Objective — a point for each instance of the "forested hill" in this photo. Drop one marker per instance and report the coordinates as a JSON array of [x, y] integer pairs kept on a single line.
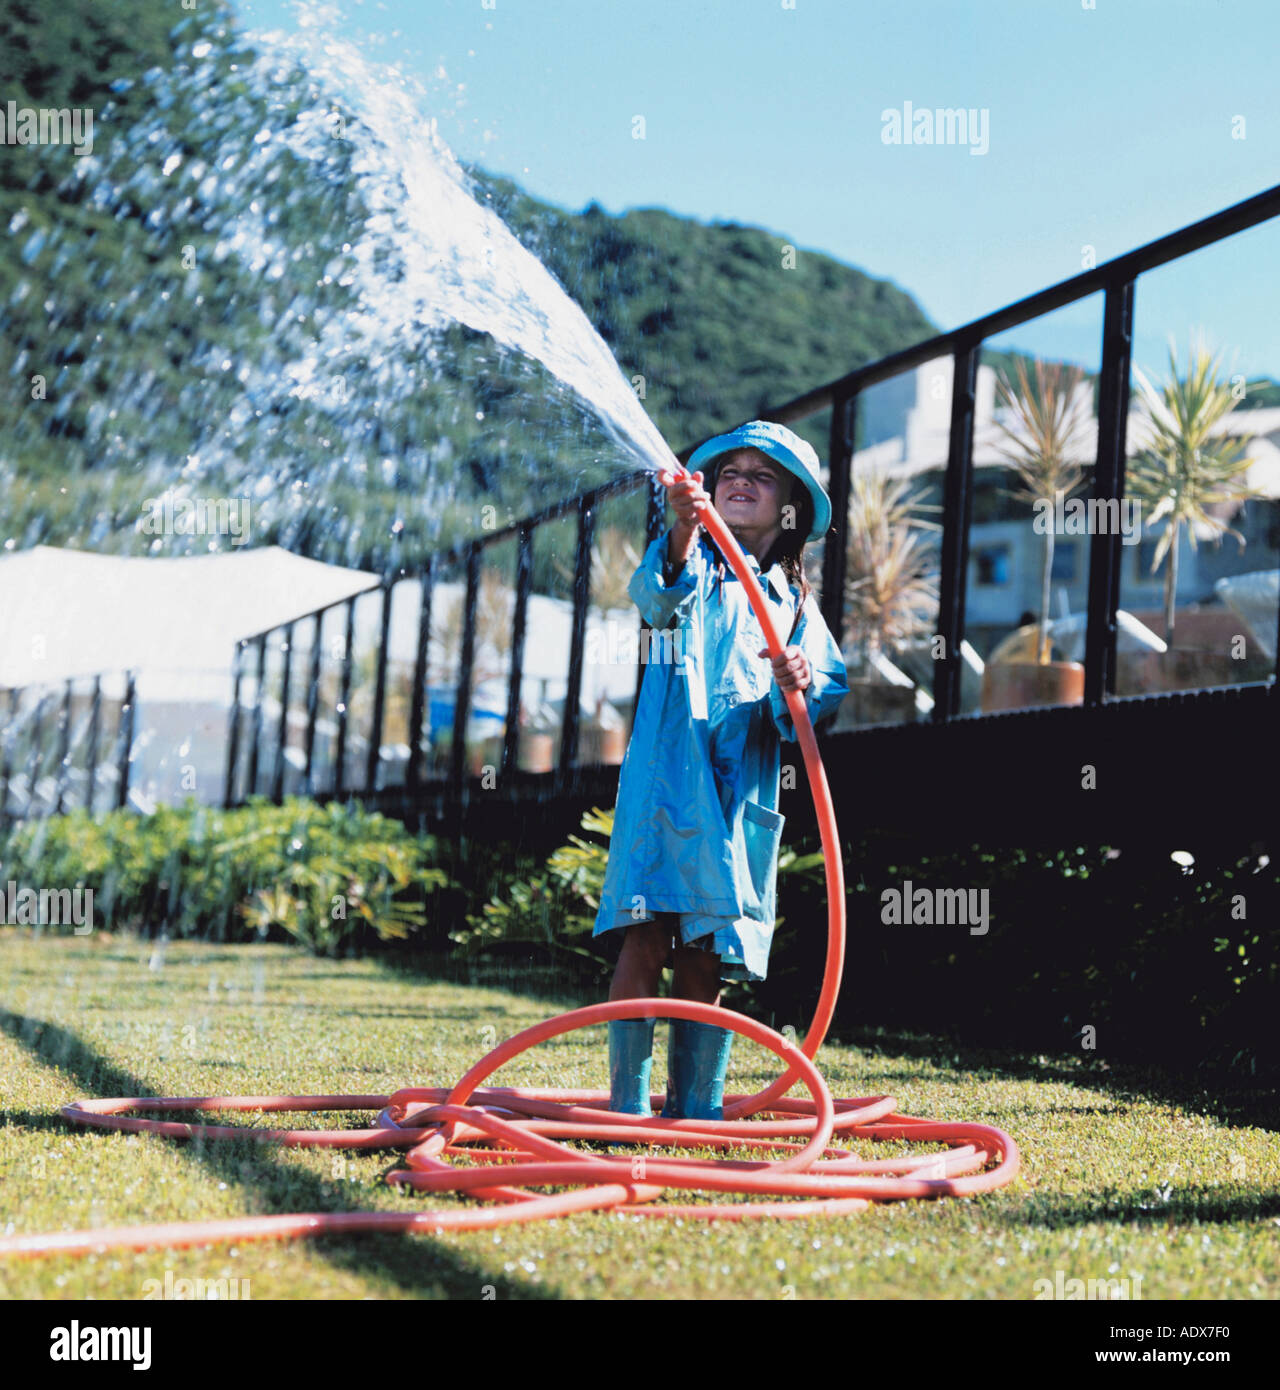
[[138, 353], [721, 320], [138, 393]]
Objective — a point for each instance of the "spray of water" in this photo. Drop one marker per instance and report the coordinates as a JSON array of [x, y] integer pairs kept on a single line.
[[298, 298], [293, 294], [429, 253]]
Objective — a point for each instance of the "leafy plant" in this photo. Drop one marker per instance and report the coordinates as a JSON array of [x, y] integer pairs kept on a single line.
[[327, 876], [1188, 466], [554, 909], [892, 584], [1044, 450]]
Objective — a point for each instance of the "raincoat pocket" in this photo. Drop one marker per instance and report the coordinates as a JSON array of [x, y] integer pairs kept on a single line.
[[762, 837]]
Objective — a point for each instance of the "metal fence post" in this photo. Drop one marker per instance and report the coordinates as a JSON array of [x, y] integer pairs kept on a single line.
[[1108, 481], [64, 748], [344, 699], [252, 778], [379, 692], [233, 727], [91, 753], [581, 597], [126, 740], [957, 512], [524, 582], [313, 701], [462, 694], [421, 676], [835, 555], [282, 732], [6, 756]]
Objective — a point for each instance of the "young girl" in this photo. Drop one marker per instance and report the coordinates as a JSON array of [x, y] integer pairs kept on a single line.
[[693, 858]]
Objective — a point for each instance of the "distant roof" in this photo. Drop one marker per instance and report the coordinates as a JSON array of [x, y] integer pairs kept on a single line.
[[929, 446], [67, 613]]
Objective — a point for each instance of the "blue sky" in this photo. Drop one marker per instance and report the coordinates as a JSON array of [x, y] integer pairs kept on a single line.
[[1106, 127]]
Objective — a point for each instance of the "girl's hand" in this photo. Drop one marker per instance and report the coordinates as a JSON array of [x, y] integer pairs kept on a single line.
[[686, 495], [791, 669]]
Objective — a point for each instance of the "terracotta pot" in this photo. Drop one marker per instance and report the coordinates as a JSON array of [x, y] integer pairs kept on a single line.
[[535, 753], [1027, 684], [615, 746], [600, 747]]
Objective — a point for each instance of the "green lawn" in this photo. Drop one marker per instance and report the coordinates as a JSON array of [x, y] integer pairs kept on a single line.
[[1124, 1173]]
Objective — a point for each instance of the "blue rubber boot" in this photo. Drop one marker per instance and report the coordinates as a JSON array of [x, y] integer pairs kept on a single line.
[[630, 1062], [697, 1059]]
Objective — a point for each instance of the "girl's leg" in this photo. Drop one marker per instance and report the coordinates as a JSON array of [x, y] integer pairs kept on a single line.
[[696, 975], [697, 1053], [646, 948]]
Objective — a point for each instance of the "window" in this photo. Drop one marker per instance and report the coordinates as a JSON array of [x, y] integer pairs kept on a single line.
[[993, 564], [1066, 562]]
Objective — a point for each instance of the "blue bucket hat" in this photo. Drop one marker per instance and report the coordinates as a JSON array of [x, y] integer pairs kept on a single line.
[[785, 448]]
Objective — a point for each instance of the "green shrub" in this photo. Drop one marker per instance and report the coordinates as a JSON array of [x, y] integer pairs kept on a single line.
[[553, 910], [330, 877], [1155, 958]]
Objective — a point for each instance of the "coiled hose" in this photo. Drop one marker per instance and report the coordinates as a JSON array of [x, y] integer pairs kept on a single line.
[[515, 1129]]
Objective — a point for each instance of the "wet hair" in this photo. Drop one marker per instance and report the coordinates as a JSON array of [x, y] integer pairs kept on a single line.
[[788, 549]]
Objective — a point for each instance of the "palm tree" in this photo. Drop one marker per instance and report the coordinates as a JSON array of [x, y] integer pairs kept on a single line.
[[614, 559], [891, 592], [1044, 450], [494, 616], [1186, 467]]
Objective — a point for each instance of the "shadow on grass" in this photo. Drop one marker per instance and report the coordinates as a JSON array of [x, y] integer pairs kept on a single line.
[[1184, 1206], [565, 987], [415, 1263], [35, 1119], [427, 1014], [1229, 1098]]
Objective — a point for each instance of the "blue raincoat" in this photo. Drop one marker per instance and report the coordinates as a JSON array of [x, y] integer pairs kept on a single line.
[[697, 830]]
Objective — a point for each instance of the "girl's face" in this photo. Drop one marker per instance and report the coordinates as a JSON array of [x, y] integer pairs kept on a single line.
[[751, 491]]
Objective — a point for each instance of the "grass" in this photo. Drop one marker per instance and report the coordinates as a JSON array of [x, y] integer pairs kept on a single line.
[[1124, 1173]]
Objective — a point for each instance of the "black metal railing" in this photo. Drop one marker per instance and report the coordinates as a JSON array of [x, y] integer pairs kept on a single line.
[[466, 558], [1115, 279], [39, 731]]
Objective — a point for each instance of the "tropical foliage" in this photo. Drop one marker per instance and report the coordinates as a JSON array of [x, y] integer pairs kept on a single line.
[[892, 570], [1186, 470], [331, 877], [1046, 447]]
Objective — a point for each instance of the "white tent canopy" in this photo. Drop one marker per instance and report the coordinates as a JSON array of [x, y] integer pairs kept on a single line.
[[66, 613]]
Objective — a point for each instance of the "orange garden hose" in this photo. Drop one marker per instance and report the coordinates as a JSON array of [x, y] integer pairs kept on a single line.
[[514, 1129]]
